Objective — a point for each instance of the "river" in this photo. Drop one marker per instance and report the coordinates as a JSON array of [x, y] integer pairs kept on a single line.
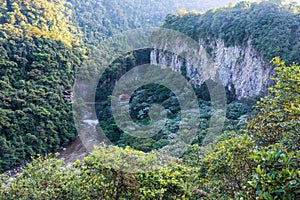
[[78, 149]]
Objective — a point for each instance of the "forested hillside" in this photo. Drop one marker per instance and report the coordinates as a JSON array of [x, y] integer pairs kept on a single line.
[[43, 44], [39, 58], [259, 162], [272, 29], [101, 19], [41, 51], [144, 97]]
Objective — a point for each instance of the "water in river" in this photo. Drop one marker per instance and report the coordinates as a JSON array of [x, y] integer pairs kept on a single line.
[[88, 137], [78, 149], [75, 150]]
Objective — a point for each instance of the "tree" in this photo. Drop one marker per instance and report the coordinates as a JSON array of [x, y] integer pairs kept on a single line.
[[279, 117], [105, 174], [225, 170], [277, 174], [182, 12]]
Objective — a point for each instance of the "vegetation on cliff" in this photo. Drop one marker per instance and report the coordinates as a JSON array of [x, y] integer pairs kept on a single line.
[[272, 29], [238, 166], [40, 53]]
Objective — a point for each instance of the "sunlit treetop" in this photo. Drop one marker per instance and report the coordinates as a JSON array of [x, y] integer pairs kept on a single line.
[[39, 18]]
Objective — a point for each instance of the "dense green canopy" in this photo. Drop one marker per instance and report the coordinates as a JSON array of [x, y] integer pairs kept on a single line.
[[40, 52], [37, 63], [272, 29]]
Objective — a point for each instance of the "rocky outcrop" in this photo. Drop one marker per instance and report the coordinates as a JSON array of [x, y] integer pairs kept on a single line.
[[240, 68]]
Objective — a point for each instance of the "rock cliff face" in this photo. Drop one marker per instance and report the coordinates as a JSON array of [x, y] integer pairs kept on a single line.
[[240, 68]]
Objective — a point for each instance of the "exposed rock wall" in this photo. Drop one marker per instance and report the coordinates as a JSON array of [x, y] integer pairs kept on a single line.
[[240, 67]]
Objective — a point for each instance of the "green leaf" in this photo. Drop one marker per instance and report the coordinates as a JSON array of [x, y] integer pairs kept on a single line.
[[267, 196]]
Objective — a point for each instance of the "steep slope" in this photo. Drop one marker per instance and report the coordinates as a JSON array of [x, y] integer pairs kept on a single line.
[[40, 54], [100, 19], [236, 44], [37, 63], [240, 68]]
